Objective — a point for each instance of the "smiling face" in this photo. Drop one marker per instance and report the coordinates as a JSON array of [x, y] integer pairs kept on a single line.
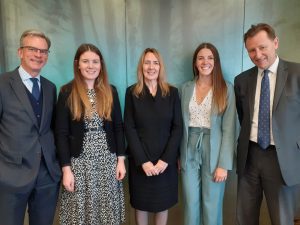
[[262, 50], [151, 67], [33, 61], [90, 67], [205, 62]]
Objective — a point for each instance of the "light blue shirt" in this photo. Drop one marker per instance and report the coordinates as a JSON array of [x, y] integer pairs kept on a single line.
[[25, 77]]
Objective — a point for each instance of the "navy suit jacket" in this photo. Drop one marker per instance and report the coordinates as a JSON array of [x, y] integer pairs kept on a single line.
[[22, 140], [285, 119]]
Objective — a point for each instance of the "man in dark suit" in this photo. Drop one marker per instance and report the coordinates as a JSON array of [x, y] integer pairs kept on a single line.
[[268, 152], [29, 170]]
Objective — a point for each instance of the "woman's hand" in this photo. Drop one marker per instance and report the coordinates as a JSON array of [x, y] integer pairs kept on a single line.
[[161, 166], [220, 175], [149, 169], [120, 170], [68, 178]]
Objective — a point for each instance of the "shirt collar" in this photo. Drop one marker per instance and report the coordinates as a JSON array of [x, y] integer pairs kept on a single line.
[[26, 76]]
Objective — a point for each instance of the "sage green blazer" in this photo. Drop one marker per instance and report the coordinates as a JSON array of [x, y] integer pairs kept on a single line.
[[223, 131]]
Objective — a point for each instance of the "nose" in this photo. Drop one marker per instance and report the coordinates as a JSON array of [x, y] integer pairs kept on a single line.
[[257, 54]]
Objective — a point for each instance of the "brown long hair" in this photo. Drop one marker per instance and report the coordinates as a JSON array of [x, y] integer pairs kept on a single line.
[[219, 86], [161, 80], [78, 100]]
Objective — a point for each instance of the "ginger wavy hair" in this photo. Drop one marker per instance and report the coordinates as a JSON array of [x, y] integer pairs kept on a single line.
[[78, 100]]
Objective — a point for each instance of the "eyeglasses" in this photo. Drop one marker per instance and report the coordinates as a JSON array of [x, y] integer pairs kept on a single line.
[[36, 50]]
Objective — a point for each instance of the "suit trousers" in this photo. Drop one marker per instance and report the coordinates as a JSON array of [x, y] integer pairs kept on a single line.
[[40, 198], [263, 176], [203, 198]]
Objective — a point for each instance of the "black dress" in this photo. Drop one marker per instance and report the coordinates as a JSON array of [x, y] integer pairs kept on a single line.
[[153, 128]]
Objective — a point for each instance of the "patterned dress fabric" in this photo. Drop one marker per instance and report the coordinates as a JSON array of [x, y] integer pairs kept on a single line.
[[200, 113], [98, 198]]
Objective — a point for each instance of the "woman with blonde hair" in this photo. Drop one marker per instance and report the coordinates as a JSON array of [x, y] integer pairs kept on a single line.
[[153, 128], [90, 143]]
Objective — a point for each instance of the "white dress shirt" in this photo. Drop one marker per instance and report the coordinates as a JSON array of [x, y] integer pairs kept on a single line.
[[25, 77], [272, 78]]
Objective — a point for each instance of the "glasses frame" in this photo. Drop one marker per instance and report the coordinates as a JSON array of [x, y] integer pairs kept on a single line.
[[32, 49]]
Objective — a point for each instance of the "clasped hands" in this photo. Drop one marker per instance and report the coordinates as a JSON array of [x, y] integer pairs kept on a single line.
[[152, 170]]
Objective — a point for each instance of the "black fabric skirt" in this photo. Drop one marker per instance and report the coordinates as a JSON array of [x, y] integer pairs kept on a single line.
[[155, 193]]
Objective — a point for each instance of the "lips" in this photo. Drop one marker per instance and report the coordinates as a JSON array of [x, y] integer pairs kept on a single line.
[[91, 72], [261, 62], [206, 67], [152, 73], [36, 60]]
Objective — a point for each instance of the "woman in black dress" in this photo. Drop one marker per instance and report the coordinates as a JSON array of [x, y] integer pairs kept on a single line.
[[153, 128]]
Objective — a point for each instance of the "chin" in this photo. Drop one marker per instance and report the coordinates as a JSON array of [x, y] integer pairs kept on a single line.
[[263, 67], [36, 67]]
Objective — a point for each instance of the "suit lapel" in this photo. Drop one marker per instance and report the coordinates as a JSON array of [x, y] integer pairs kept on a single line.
[[188, 92], [252, 80], [20, 91], [46, 96], [280, 83]]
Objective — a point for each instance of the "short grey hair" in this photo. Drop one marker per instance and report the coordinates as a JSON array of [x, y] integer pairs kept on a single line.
[[34, 33]]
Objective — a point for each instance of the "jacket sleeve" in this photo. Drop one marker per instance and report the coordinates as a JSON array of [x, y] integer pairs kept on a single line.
[[54, 108], [237, 99], [171, 151], [118, 129], [134, 144], [0, 106], [62, 127], [230, 129]]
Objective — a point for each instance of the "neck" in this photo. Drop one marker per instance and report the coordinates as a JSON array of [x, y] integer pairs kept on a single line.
[[204, 80], [32, 73], [90, 84], [151, 83]]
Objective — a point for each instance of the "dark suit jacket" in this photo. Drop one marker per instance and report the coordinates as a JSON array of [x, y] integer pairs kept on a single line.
[[69, 133], [21, 139], [153, 126], [285, 119]]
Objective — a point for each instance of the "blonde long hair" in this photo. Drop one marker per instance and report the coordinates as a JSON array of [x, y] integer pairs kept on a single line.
[[78, 100], [164, 86], [219, 86]]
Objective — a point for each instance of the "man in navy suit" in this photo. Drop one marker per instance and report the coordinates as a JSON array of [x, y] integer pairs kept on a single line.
[[268, 152], [29, 170]]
